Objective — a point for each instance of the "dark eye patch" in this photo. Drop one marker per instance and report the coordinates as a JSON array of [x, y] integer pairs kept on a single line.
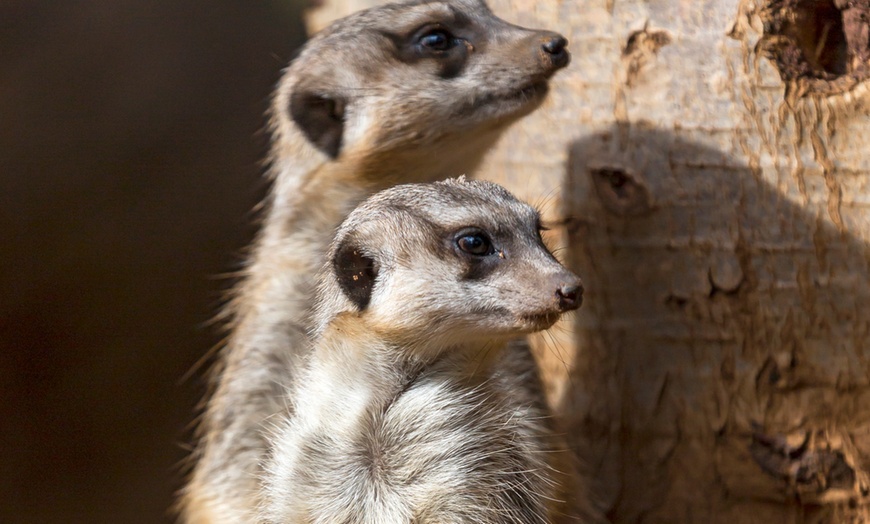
[[435, 40], [476, 247], [445, 42], [475, 243]]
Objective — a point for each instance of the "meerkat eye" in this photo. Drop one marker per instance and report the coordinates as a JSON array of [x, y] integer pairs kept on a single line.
[[436, 39], [475, 243]]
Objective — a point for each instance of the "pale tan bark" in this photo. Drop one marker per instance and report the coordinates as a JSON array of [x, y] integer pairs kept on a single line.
[[719, 370]]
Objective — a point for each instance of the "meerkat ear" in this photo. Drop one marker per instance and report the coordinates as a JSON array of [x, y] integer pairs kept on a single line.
[[321, 119], [355, 272]]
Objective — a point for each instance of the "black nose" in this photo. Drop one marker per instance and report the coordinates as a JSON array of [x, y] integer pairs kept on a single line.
[[555, 46], [570, 296]]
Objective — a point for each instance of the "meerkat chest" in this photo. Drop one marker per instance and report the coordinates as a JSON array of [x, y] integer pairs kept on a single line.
[[435, 451]]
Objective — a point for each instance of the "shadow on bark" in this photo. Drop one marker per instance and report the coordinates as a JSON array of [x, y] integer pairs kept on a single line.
[[721, 373]]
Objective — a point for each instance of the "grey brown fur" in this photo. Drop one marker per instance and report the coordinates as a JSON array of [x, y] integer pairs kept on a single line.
[[412, 407], [364, 106]]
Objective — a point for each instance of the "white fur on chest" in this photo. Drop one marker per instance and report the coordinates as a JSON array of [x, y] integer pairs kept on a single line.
[[380, 451]]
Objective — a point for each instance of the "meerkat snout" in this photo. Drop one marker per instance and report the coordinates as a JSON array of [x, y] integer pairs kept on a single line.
[[570, 295], [555, 49]]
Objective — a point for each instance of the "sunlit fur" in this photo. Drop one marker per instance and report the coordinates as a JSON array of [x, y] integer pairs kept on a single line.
[[416, 408], [402, 122]]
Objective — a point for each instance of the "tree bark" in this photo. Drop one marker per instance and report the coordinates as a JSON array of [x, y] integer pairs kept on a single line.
[[712, 190]]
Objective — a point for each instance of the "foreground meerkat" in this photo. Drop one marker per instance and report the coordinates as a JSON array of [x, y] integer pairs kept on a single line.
[[399, 93], [412, 407]]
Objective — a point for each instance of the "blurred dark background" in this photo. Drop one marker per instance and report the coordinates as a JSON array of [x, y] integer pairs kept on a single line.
[[130, 149]]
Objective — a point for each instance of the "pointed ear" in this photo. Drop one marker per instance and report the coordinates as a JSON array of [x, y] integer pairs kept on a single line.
[[355, 272], [321, 119]]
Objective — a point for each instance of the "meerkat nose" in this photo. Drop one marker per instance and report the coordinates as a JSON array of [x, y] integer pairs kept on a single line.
[[555, 45], [570, 296]]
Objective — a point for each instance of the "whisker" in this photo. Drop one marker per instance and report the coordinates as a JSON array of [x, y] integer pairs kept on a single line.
[[557, 350]]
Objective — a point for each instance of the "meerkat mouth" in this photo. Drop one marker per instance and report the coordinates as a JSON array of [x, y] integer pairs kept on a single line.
[[540, 321], [528, 94], [534, 91]]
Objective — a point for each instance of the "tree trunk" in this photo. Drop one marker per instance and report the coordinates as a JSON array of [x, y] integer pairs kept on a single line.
[[707, 165]]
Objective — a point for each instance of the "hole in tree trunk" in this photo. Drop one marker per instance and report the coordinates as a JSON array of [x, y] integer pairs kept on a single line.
[[819, 46], [621, 192]]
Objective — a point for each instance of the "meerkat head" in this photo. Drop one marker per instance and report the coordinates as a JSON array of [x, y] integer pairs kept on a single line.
[[425, 73], [447, 263]]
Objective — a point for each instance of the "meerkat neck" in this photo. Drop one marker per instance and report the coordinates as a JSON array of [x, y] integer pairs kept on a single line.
[[291, 247], [332, 185], [349, 374], [348, 343]]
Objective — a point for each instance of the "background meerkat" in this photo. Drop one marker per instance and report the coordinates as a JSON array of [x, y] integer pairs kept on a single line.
[[398, 93], [409, 409]]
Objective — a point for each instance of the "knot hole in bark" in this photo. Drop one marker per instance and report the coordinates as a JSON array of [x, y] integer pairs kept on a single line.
[[621, 192], [823, 46]]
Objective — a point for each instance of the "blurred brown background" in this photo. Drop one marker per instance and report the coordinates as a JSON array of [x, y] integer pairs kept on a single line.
[[130, 141]]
